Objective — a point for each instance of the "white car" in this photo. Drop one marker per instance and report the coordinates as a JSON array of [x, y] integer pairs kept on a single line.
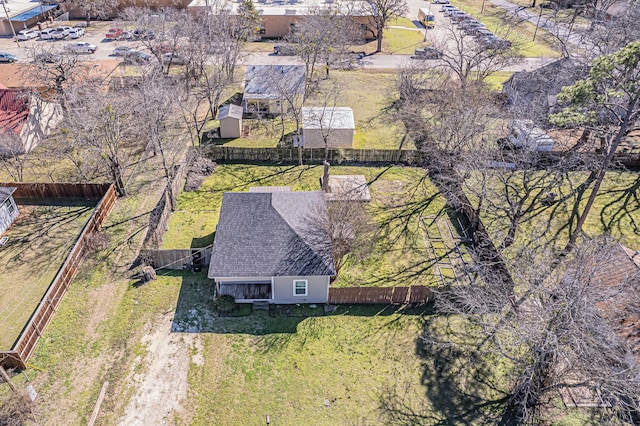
[[60, 33], [81, 47], [25, 35], [121, 51], [46, 34], [76, 33], [174, 59]]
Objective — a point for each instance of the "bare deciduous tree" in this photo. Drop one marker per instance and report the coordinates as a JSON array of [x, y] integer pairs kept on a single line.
[[102, 126], [12, 155], [608, 101], [100, 9], [469, 59], [382, 11], [323, 37], [555, 332]]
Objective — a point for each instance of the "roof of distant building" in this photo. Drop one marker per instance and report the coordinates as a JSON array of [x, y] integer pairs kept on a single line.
[[327, 118], [274, 81], [6, 192], [230, 111]]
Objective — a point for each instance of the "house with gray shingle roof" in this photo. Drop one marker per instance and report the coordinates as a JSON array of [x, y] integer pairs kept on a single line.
[[8, 208], [268, 247], [269, 88]]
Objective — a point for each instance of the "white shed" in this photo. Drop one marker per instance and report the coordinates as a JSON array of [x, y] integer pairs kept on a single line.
[[8, 208], [230, 117], [336, 126]]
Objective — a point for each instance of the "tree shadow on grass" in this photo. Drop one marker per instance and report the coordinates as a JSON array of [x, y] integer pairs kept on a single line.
[[460, 389]]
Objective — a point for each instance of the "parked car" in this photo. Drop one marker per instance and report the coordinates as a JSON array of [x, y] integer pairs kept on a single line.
[[440, 1], [472, 28], [284, 50], [60, 33], [165, 47], [126, 35], [495, 42], [428, 52], [7, 57], [142, 34], [448, 8], [76, 33], [135, 57], [81, 47], [483, 32], [121, 51], [174, 58], [82, 24], [25, 35], [114, 33], [459, 16], [46, 34]]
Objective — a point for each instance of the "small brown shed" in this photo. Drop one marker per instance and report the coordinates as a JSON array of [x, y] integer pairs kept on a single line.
[[230, 117]]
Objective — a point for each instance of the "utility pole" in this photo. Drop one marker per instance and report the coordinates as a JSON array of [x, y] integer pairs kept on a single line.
[[13, 30]]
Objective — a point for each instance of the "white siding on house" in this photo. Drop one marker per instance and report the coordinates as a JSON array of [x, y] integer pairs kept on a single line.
[[283, 288], [317, 290], [8, 213]]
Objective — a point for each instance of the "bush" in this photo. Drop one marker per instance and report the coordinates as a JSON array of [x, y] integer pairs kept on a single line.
[[200, 168], [224, 303]]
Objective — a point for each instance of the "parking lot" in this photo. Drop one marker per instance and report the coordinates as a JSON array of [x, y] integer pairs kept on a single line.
[[94, 34]]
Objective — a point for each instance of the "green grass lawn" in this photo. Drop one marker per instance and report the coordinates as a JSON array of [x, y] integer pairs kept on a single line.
[[520, 33], [286, 366], [374, 127], [614, 213], [398, 257], [40, 239], [495, 80]]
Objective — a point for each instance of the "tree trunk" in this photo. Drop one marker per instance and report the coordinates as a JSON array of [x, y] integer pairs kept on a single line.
[[118, 181], [380, 29], [601, 174]]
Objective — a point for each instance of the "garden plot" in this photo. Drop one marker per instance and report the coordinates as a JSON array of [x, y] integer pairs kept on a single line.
[[446, 247]]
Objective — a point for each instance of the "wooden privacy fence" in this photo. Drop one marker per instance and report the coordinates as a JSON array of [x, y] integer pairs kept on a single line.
[[59, 190], [227, 154], [380, 295], [23, 348], [311, 155], [159, 220], [176, 258]]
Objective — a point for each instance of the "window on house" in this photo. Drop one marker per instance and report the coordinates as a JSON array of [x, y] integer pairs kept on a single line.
[[300, 287], [9, 205]]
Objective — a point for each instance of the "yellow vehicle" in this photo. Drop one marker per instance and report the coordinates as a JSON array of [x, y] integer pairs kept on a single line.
[[426, 17]]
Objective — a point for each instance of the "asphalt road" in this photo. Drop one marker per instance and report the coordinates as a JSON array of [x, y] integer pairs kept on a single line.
[[24, 50]]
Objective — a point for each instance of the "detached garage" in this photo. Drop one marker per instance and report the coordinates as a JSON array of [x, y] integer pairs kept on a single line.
[[331, 126], [8, 208]]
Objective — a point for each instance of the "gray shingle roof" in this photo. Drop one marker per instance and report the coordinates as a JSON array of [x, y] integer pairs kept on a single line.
[[271, 234], [6, 192], [330, 118], [233, 111], [271, 81]]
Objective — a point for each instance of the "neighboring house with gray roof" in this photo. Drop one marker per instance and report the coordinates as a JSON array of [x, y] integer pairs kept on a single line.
[[8, 208], [266, 87], [269, 247], [533, 94]]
